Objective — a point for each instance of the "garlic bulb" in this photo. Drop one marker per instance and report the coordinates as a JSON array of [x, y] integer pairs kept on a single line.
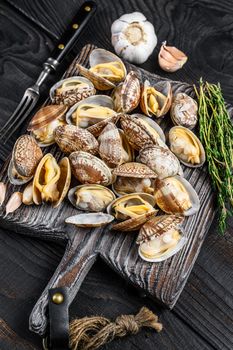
[[170, 58], [133, 37]]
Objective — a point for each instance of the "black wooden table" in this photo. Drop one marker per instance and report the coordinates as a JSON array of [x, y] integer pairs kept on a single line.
[[203, 317]]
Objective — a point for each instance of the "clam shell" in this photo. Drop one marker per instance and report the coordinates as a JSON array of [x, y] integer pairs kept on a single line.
[[97, 128], [183, 240], [163, 87], [196, 142], [168, 202], [126, 185], [45, 121], [63, 183], [157, 226], [140, 133], [38, 180], [73, 95], [134, 169], [133, 224], [26, 155], [99, 56], [90, 169], [113, 146], [90, 204], [90, 219], [161, 160], [100, 100], [126, 96], [184, 110], [71, 138]]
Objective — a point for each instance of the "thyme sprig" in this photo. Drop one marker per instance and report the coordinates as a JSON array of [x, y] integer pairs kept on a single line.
[[216, 134]]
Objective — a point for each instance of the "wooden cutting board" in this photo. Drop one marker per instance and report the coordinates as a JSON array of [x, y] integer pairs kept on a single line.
[[162, 281]]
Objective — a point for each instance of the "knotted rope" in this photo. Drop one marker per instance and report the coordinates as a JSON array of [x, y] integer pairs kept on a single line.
[[90, 333]]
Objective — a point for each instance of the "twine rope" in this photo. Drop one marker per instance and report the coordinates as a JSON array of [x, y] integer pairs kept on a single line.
[[90, 333]]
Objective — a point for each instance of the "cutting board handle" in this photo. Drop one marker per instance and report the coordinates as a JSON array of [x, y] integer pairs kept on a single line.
[[78, 259]]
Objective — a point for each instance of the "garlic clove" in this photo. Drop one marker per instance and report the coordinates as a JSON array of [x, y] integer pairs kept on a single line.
[[27, 198], [170, 58], [14, 202], [2, 192]]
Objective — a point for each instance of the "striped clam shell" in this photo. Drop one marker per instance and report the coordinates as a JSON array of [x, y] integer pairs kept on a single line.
[[134, 169], [71, 138], [126, 96], [90, 169], [157, 226], [46, 115]]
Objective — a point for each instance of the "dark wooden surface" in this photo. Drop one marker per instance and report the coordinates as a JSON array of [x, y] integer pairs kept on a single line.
[[202, 318]]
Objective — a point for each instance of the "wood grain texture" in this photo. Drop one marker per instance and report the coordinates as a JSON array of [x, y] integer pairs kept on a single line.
[[118, 250], [196, 322]]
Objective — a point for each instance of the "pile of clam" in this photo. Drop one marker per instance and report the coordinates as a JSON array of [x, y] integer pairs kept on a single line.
[[125, 172]]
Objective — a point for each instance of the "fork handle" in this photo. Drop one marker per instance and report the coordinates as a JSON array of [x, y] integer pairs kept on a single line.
[[68, 39]]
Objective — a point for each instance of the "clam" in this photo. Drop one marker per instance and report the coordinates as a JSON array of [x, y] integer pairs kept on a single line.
[[51, 181], [94, 198], [156, 100], [184, 111], [90, 169], [160, 238], [45, 121], [71, 90], [114, 148], [132, 210], [141, 132], [133, 177], [26, 155], [186, 146], [126, 96], [90, 220], [161, 160], [106, 69], [71, 138], [91, 111], [175, 195], [97, 128]]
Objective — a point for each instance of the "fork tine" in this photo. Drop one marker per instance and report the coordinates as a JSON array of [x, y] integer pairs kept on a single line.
[[27, 108]]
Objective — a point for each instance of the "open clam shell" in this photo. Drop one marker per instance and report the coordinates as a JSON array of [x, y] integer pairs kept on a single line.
[[90, 111], [114, 148], [175, 195], [90, 169], [26, 155], [133, 210], [167, 254], [71, 138], [71, 90], [133, 177], [45, 121], [126, 96], [161, 237], [161, 160], [64, 180], [94, 198], [106, 69], [97, 128], [140, 132], [156, 100], [45, 180], [90, 219], [186, 146]]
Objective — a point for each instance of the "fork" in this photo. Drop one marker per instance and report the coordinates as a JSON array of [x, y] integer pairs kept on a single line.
[[32, 94]]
